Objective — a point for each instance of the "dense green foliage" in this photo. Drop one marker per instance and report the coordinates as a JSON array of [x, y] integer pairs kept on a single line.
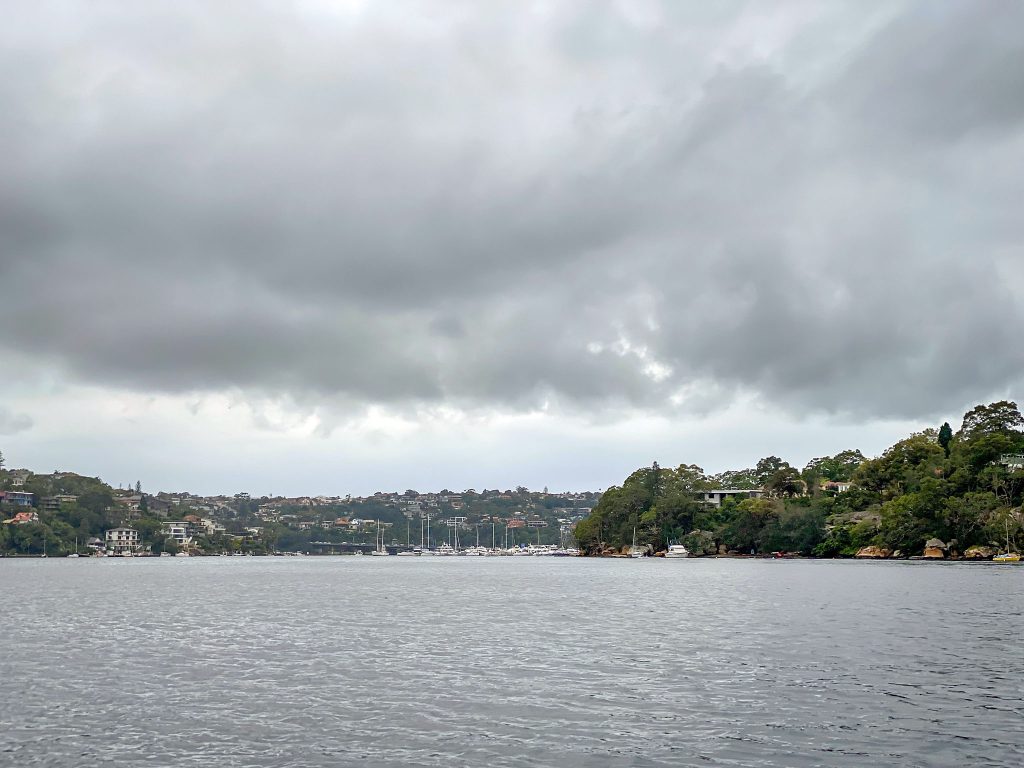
[[934, 484]]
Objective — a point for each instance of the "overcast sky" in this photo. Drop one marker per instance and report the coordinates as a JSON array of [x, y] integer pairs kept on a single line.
[[333, 247]]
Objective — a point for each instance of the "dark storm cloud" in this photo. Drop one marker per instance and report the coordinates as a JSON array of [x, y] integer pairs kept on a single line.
[[480, 205]]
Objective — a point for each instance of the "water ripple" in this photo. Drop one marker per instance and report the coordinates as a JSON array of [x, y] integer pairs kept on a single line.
[[509, 662]]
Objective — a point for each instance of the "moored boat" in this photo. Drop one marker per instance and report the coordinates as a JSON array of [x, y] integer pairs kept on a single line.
[[1007, 556]]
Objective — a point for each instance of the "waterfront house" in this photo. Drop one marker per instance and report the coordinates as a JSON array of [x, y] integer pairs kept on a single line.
[[179, 530], [122, 541]]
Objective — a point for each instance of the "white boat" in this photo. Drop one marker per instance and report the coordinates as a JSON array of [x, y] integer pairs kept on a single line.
[[635, 551], [182, 554], [408, 553], [677, 550], [446, 550]]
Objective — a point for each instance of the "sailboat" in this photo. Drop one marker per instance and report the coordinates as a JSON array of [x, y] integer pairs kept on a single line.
[[379, 551], [409, 551], [635, 551], [425, 545], [1007, 556]]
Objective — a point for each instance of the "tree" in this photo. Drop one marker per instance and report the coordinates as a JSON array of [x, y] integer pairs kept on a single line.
[[964, 516], [902, 467], [945, 436], [767, 467], [799, 528], [739, 479], [785, 481], [904, 523], [1003, 416], [838, 468], [744, 531]]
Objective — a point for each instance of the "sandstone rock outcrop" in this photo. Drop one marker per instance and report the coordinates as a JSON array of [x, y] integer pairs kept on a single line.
[[980, 553], [935, 549], [873, 553]]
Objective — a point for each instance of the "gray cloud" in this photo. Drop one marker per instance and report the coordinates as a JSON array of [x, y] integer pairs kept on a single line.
[[494, 208], [11, 422]]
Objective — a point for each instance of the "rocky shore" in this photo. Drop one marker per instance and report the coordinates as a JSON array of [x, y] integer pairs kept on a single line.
[[934, 549]]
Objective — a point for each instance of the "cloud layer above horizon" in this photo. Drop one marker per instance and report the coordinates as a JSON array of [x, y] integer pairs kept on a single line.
[[654, 208]]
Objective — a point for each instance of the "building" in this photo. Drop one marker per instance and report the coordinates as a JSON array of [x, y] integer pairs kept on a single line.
[[716, 497], [179, 530], [212, 527], [122, 541], [16, 498], [837, 486], [53, 503], [18, 477], [22, 518]]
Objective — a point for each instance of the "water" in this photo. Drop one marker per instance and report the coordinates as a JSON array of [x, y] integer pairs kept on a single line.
[[509, 662]]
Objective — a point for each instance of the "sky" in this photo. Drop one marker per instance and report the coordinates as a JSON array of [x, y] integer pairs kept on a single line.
[[340, 247]]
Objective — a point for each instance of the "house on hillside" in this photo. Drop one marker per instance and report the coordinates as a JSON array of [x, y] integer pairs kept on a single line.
[[16, 498], [23, 518], [716, 497], [837, 486], [53, 503], [19, 477]]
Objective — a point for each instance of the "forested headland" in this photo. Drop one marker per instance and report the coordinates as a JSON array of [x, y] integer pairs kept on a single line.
[[961, 489]]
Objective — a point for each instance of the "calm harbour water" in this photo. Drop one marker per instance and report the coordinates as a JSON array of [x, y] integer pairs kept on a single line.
[[510, 662]]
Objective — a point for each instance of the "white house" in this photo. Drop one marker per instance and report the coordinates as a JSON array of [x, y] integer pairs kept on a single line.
[[179, 530], [122, 541]]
